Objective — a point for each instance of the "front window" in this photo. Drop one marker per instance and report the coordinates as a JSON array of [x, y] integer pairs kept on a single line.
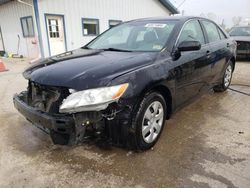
[[240, 31], [212, 31], [135, 36], [192, 32]]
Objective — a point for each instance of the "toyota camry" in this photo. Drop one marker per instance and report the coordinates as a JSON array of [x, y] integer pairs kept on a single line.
[[122, 86]]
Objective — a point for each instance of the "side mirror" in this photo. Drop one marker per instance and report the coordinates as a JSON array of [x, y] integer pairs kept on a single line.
[[189, 46]]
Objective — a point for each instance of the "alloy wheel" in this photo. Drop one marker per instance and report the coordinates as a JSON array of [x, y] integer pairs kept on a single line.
[[152, 122], [228, 76]]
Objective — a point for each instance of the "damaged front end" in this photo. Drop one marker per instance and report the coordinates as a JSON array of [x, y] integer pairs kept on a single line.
[[55, 111]]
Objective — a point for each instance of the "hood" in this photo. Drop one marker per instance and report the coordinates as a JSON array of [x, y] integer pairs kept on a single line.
[[241, 38], [83, 68]]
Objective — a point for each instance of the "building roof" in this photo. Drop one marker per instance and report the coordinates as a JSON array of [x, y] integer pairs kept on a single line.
[[165, 3], [169, 6]]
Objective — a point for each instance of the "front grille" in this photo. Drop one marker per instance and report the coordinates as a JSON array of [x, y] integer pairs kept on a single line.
[[46, 98], [242, 45]]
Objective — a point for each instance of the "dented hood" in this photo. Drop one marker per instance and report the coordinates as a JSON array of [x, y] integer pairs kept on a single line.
[[83, 69]]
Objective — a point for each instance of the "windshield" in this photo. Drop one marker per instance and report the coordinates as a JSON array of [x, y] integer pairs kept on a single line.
[[135, 36], [240, 31]]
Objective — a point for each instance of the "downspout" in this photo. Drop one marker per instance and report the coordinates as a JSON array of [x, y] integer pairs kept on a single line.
[[20, 1], [1, 36], [35, 6]]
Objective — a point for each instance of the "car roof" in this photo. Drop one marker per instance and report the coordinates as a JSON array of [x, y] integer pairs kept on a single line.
[[177, 18]]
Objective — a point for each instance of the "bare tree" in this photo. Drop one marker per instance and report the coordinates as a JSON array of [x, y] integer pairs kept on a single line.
[[236, 20], [215, 18], [223, 24], [212, 16], [203, 15], [247, 21]]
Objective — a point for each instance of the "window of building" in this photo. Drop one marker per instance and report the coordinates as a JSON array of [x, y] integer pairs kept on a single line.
[[113, 23], [192, 32], [90, 26], [212, 31], [53, 28], [27, 26]]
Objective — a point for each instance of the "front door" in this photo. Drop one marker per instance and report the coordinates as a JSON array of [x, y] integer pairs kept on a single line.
[[56, 34], [1, 41], [192, 68]]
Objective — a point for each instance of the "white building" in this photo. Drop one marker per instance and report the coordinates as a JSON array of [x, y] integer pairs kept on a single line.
[[35, 28]]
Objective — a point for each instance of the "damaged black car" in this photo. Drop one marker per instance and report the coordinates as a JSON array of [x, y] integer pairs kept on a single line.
[[241, 34], [125, 83]]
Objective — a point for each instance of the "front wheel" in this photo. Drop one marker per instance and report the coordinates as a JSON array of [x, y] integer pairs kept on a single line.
[[226, 80], [149, 120]]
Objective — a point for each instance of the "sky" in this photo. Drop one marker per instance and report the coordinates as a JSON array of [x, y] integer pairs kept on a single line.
[[223, 9]]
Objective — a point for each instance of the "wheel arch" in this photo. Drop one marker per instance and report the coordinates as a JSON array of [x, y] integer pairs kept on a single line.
[[165, 92], [233, 60]]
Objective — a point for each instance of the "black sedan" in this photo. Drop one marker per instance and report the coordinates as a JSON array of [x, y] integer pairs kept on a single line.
[[241, 35], [123, 85]]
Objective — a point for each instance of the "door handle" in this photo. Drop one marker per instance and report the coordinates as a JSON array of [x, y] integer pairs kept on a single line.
[[208, 54]]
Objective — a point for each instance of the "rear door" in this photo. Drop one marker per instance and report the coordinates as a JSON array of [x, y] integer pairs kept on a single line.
[[219, 50], [192, 67]]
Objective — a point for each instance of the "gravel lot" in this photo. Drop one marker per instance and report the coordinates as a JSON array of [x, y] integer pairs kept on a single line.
[[206, 144]]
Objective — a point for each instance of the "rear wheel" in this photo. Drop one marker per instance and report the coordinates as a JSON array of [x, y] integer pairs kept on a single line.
[[227, 78], [149, 120]]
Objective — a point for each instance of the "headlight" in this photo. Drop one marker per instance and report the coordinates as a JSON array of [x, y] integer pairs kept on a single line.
[[92, 99]]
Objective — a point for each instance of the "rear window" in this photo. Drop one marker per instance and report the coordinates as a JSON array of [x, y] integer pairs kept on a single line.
[[222, 35], [212, 31]]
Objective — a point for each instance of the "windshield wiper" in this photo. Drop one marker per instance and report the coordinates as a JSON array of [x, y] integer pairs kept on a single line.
[[86, 47], [116, 49]]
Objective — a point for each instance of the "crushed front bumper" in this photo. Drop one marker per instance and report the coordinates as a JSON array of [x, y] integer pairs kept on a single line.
[[60, 127], [243, 53], [243, 49], [112, 124]]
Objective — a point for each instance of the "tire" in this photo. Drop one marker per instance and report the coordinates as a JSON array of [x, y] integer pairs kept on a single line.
[[227, 78], [148, 121]]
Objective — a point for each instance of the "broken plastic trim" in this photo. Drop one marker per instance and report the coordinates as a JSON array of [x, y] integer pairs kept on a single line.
[[93, 99], [87, 108]]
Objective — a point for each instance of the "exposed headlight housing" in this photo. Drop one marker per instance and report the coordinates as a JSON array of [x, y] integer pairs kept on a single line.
[[92, 99]]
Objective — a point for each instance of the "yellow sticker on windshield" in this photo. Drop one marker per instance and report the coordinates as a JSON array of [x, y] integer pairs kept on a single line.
[[155, 25]]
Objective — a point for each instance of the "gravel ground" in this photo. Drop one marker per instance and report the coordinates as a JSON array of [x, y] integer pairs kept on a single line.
[[206, 144]]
